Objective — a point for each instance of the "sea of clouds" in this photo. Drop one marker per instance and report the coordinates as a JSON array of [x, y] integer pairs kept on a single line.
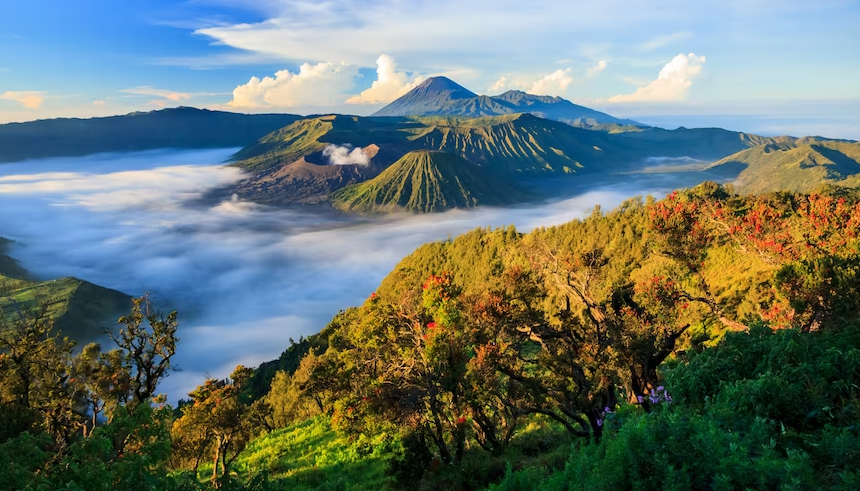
[[245, 278]]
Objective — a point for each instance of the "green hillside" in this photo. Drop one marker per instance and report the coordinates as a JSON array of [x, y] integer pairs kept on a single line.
[[290, 165], [700, 143], [9, 266], [510, 143], [427, 181], [799, 166], [704, 341], [309, 136], [182, 127], [311, 455], [80, 310], [522, 143]]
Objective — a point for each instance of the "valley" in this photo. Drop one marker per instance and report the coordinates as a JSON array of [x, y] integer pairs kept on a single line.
[[246, 277]]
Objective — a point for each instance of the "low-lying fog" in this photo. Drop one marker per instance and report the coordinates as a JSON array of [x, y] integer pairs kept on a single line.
[[245, 278]]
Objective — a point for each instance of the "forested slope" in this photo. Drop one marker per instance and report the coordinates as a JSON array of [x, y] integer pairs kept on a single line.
[[703, 341]]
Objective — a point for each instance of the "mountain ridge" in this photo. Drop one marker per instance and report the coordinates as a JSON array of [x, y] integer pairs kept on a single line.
[[180, 127], [801, 165], [288, 165], [438, 96], [424, 181]]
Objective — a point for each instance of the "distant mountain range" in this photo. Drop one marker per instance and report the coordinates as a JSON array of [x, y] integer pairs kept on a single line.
[[509, 138], [181, 127], [441, 96], [801, 165], [289, 165]]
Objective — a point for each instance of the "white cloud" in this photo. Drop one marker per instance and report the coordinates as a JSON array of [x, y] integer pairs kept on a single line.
[[389, 84], [345, 155], [323, 84], [596, 69], [30, 99], [556, 83], [671, 85], [101, 102], [499, 85], [170, 95], [509, 32]]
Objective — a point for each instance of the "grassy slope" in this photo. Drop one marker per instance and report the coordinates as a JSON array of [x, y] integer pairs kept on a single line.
[[310, 455], [8, 266], [800, 167], [80, 309], [311, 135], [427, 181], [522, 143], [511, 143]]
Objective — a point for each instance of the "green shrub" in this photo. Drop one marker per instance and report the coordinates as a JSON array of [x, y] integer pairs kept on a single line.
[[763, 410]]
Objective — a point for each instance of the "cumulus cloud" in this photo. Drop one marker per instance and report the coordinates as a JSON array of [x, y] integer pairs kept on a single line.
[[389, 84], [499, 85], [510, 32], [556, 83], [671, 85], [30, 99], [323, 84], [345, 155], [596, 69]]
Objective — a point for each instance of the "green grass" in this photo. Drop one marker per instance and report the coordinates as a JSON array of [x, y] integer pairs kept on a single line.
[[425, 181], [504, 144], [9, 266], [80, 310], [801, 166], [310, 455]]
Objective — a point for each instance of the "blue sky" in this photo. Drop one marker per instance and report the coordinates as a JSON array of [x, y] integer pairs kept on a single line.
[[646, 58]]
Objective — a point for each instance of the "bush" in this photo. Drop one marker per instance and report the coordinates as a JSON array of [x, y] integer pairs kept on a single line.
[[763, 410]]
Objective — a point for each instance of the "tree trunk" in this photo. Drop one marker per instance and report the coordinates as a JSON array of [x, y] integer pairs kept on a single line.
[[95, 420], [216, 460], [225, 464]]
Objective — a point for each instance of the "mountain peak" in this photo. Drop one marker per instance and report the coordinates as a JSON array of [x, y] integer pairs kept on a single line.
[[428, 96], [443, 85], [441, 96]]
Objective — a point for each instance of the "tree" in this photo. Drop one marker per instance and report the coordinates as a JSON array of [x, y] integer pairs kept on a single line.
[[37, 386], [148, 340], [217, 420], [104, 379], [809, 243], [40, 375]]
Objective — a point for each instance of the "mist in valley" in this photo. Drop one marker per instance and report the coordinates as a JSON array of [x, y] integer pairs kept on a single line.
[[245, 278]]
